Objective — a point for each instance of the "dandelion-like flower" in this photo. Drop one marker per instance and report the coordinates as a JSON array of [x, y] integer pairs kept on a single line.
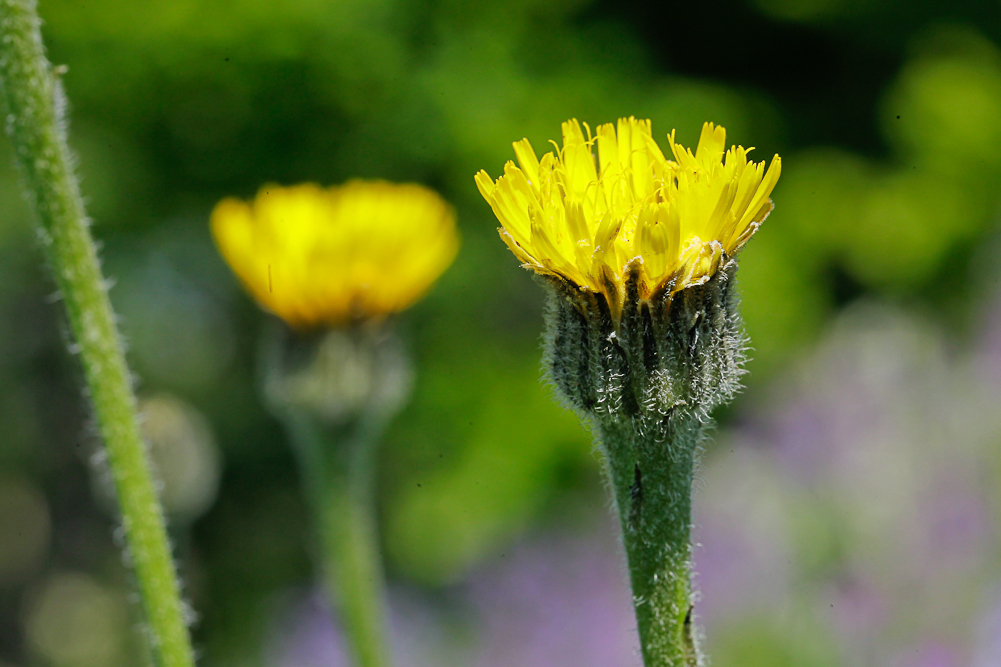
[[327, 256], [643, 335], [672, 222], [333, 263]]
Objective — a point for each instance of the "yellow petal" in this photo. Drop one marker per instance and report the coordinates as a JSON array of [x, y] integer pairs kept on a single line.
[[528, 160]]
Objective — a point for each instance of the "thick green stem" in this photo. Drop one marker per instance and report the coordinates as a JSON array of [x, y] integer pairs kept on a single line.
[[33, 106], [651, 468], [338, 466]]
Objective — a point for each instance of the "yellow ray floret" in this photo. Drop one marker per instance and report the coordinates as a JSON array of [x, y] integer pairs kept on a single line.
[[592, 222], [327, 256]]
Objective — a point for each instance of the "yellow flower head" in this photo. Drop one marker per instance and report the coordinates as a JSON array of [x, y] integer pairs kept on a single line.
[[635, 212], [316, 256]]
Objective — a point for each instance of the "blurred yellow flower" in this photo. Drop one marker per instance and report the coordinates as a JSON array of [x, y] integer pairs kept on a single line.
[[327, 256], [673, 221]]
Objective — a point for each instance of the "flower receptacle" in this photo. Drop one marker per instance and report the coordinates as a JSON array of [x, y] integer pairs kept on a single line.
[[671, 353], [335, 376]]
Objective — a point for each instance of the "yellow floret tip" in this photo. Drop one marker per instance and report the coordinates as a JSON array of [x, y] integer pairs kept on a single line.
[[591, 223], [329, 256]]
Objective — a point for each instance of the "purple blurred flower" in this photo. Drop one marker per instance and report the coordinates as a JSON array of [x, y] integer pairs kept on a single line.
[[558, 601], [305, 635], [928, 654]]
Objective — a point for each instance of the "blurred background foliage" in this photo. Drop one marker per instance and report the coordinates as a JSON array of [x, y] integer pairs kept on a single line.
[[888, 116]]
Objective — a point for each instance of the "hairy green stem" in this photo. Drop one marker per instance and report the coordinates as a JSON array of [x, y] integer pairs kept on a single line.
[[651, 468], [338, 464], [647, 381], [33, 106]]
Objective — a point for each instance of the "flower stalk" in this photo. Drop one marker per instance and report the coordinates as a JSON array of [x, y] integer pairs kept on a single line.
[[336, 393], [338, 469], [647, 384], [651, 477], [34, 108]]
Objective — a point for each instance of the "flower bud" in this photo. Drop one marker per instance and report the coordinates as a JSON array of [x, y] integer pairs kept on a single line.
[[336, 376]]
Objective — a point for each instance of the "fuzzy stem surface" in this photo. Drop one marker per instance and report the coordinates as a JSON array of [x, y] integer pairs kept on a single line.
[[33, 106], [651, 468], [338, 466]]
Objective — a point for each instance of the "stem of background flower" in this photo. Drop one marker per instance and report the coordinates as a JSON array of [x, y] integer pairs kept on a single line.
[[338, 467], [652, 480], [34, 107]]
